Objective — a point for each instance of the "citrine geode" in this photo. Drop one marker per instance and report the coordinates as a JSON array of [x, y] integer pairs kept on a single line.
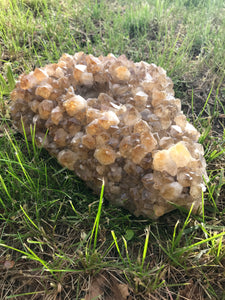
[[111, 118]]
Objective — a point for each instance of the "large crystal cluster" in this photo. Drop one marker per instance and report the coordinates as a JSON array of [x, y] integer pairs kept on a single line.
[[110, 118]]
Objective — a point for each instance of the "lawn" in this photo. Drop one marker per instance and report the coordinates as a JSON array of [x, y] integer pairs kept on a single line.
[[57, 239]]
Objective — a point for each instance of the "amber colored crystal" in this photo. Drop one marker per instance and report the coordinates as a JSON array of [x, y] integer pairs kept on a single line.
[[93, 64], [67, 158], [105, 155], [56, 115], [45, 108], [140, 100], [148, 141], [34, 105], [122, 73], [180, 154], [89, 141], [137, 153], [27, 81], [40, 75], [60, 137], [110, 118], [44, 90], [74, 105], [162, 162], [171, 191]]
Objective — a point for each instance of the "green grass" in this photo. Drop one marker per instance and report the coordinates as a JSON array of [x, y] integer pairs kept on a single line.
[[55, 235]]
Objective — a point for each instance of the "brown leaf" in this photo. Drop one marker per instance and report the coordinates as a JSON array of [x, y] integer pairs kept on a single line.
[[123, 288], [8, 264], [107, 287], [95, 289]]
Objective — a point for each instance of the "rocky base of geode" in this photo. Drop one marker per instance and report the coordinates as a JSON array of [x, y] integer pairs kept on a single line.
[[110, 118]]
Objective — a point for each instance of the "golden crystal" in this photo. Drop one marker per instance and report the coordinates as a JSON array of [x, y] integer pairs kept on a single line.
[[110, 118]]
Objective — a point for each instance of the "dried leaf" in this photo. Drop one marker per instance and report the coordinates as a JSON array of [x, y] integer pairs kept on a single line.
[[123, 288], [107, 286], [8, 264], [95, 289]]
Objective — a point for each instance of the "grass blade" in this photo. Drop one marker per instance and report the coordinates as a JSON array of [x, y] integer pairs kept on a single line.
[[97, 219], [145, 247]]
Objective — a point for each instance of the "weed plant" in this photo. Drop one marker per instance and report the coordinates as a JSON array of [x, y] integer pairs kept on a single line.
[[55, 235]]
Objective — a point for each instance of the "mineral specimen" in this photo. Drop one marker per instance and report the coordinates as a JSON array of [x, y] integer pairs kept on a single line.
[[111, 118]]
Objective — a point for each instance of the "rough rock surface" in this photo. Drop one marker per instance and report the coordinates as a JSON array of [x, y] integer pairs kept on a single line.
[[111, 118]]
